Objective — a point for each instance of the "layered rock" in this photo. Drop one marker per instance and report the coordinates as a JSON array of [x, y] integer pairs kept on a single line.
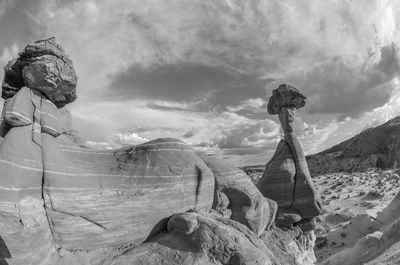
[[62, 203], [376, 147], [237, 198], [286, 178], [116, 198]]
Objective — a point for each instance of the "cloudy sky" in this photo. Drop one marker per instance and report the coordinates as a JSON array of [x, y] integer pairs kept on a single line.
[[203, 70]]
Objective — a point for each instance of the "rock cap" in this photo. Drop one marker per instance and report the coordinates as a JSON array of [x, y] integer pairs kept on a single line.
[[43, 66], [285, 96]]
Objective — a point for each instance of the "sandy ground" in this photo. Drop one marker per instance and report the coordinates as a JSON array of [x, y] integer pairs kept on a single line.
[[344, 196]]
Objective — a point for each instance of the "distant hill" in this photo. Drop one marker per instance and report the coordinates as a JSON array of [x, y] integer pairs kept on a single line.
[[377, 147]]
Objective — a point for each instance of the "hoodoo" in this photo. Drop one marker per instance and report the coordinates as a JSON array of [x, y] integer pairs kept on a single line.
[[286, 178]]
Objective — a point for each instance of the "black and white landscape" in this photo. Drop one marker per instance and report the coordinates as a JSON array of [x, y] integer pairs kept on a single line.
[[202, 132]]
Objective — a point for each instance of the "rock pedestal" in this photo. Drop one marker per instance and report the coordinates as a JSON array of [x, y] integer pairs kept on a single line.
[[286, 178]]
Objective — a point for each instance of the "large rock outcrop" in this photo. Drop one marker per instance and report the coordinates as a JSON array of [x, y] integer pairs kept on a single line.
[[286, 178], [62, 203], [236, 197], [376, 147]]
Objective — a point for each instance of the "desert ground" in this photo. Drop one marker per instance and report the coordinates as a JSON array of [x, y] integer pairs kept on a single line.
[[347, 198]]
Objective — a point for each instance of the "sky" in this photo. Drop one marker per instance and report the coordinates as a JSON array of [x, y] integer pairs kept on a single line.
[[202, 70]]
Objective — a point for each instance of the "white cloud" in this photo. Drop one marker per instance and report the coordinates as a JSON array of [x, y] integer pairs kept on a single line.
[[4, 5], [254, 105], [6, 55], [264, 38], [125, 139]]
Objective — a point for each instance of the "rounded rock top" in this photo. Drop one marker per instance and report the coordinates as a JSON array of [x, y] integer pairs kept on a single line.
[[43, 66], [285, 96]]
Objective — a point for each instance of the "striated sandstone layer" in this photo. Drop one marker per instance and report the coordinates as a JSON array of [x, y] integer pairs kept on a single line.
[[116, 198], [63, 203], [237, 198]]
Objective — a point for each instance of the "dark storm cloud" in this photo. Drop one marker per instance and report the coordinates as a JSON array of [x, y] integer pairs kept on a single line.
[[339, 87], [212, 86], [17, 23], [189, 134]]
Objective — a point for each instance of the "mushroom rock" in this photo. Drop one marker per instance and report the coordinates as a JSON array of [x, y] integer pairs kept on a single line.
[[237, 198], [286, 178]]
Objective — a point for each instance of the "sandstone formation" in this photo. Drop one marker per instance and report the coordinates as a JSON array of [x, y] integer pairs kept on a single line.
[[376, 147], [196, 237], [286, 178], [236, 197], [155, 203]]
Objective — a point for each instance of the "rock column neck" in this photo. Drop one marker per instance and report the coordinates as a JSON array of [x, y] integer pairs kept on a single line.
[[287, 117]]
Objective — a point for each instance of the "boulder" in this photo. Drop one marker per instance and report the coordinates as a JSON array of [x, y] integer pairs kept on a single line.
[[200, 238], [237, 198], [285, 96], [43, 66]]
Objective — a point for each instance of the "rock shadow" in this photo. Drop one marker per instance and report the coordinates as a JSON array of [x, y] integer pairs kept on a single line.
[[4, 252]]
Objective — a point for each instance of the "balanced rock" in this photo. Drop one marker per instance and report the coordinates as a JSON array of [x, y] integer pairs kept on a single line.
[[45, 67], [286, 178]]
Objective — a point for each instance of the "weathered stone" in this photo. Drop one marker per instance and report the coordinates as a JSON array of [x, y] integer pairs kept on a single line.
[[243, 200], [61, 203], [13, 80], [43, 66], [111, 199], [201, 239], [285, 96], [286, 178], [53, 77]]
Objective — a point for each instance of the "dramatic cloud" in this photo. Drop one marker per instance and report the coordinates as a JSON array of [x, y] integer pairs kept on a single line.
[[202, 70], [350, 88], [126, 139]]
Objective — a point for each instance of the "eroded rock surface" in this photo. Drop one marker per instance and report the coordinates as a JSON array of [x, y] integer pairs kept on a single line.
[[237, 198], [286, 178], [63, 203], [43, 66]]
